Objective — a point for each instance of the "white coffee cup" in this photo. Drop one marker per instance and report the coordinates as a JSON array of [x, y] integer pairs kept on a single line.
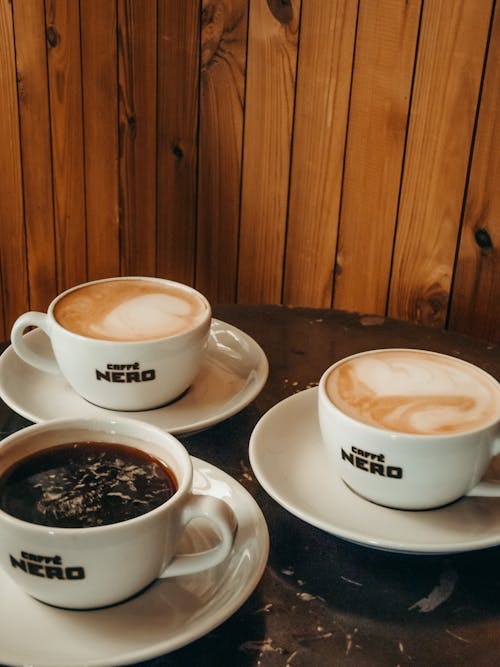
[[90, 567], [128, 343], [410, 429]]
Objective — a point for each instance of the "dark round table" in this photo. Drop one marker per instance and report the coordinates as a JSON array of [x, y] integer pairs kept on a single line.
[[324, 600]]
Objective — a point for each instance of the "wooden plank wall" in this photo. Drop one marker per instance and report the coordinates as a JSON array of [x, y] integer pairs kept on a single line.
[[336, 153]]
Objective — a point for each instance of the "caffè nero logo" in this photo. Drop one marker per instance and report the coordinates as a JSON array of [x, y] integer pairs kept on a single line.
[[125, 373], [47, 567], [371, 463]]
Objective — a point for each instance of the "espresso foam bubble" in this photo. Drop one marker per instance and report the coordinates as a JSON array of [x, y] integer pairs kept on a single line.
[[129, 310], [414, 392]]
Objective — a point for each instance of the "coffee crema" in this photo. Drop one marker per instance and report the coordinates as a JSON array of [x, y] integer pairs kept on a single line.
[[85, 484], [412, 391], [130, 309]]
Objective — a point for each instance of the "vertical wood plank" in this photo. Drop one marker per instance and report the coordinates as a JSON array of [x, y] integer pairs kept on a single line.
[[271, 73], [31, 60], [475, 306], [82, 164], [222, 87], [450, 60], [65, 83], [13, 270], [137, 135], [381, 88], [323, 85], [100, 113], [178, 75]]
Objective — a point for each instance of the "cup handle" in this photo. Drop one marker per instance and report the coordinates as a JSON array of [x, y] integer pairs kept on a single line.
[[222, 516], [492, 488], [22, 348]]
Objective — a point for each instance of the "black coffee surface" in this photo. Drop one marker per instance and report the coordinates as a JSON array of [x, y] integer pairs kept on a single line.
[[84, 484]]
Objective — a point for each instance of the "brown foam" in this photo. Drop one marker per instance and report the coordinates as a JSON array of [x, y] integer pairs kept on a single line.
[[472, 405], [81, 309]]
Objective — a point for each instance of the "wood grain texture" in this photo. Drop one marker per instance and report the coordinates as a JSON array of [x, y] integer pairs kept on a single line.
[[308, 152], [222, 87], [100, 109], [450, 61], [271, 71], [65, 85], [321, 107], [475, 307], [381, 89], [137, 32], [178, 74], [13, 267], [33, 95]]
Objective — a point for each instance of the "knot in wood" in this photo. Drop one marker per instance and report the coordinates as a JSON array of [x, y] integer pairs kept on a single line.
[[212, 26], [52, 36], [483, 239], [282, 10], [177, 151], [432, 305]]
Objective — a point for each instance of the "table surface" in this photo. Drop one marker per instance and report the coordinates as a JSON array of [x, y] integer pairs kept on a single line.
[[323, 600]]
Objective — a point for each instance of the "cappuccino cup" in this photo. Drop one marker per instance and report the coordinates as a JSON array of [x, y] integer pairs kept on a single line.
[[92, 511], [410, 429], [128, 343]]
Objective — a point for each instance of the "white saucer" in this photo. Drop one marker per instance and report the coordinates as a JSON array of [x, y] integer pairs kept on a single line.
[[167, 616], [288, 459], [233, 373]]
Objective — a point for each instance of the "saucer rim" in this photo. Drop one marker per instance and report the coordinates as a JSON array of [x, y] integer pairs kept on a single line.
[[247, 394], [225, 609], [354, 536]]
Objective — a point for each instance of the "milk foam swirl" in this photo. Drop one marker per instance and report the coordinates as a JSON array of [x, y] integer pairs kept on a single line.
[[129, 310], [414, 391]]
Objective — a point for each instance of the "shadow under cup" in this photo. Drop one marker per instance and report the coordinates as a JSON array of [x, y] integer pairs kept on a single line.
[[101, 564], [410, 429]]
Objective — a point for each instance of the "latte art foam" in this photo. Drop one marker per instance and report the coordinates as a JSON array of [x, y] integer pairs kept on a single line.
[[411, 391], [129, 310]]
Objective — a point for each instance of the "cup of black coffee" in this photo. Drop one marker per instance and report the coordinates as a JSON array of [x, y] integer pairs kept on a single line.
[[92, 510], [125, 343]]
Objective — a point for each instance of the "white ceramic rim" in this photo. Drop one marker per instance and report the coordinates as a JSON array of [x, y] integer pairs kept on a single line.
[[323, 396], [132, 343]]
